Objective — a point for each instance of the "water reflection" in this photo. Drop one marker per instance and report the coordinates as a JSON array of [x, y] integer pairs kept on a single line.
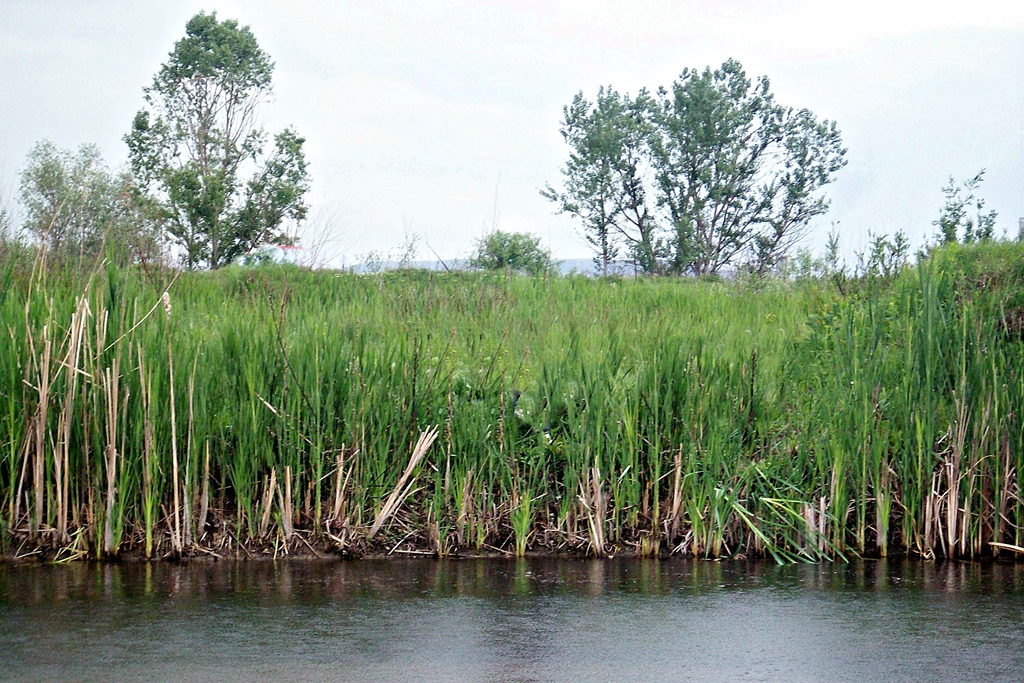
[[312, 582], [513, 620]]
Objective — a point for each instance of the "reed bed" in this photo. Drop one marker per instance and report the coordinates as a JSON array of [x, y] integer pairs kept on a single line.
[[278, 410]]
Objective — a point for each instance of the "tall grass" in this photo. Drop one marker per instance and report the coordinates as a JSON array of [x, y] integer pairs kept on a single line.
[[281, 409]]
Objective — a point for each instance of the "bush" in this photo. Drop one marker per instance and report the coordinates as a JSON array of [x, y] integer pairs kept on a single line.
[[516, 251]]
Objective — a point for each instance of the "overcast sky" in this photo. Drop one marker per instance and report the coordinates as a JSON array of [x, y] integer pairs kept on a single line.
[[426, 117]]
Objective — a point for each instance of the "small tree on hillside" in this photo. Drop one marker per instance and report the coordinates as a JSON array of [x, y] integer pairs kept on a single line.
[[516, 251], [75, 207], [191, 145], [66, 197], [956, 220]]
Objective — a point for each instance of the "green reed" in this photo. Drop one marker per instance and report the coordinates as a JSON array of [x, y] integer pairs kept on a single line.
[[281, 408]]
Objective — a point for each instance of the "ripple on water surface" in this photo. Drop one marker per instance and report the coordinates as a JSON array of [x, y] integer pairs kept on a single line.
[[482, 620]]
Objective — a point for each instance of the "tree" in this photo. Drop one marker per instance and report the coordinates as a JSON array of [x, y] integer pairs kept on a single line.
[[75, 207], [65, 196], [634, 220], [604, 177], [191, 145], [516, 251], [955, 217], [735, 175], [811, 154], [886, 257], [738, 174]]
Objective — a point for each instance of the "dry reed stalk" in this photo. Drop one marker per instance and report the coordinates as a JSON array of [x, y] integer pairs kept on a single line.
[[339, 485], [60, 460], [337, 498], [146, 384], [204, 499], [811, 523], [1007, 546], [284, 501], [1008, 476], [594, 507], [111, 378], [39, 462], [164, 301], [932, 518], [953, 475], [978, 477], [405, 482], [99, 378], [822, 506], [465, 506], [186, 496], [176, 525], [268, 499], [677, 496], [26, 453]]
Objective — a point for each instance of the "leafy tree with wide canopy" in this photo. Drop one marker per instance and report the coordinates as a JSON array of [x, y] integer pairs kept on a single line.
[[736, 177], [196, 139]]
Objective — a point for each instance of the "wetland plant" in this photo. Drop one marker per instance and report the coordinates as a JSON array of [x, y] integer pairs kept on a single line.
[[279, 409]]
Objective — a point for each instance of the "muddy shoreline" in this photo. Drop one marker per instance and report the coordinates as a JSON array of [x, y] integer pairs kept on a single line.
[[305, 545]]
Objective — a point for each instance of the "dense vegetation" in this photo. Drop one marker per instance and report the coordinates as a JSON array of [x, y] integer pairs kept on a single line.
[[278, 407], [708, 175]]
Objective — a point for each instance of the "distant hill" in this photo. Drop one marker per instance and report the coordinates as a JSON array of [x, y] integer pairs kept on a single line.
[[565, 266]]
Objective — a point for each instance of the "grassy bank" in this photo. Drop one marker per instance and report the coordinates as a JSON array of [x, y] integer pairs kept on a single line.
[[283, 409]]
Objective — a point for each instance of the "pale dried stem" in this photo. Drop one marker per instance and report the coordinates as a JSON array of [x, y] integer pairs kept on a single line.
[[594, 506], [111, 379], [176, 524], [268, 499], [146, 384], [405, 482], [286, 503], [341, 485], [60, 461], [186, 495], [953, 476], [39, 462], [204, 500], [677, 495]]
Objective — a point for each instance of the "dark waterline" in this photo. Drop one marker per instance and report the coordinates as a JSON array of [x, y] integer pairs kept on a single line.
[[497, 620]]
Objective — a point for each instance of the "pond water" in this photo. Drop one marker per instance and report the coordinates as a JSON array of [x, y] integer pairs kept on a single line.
[[502, 620]]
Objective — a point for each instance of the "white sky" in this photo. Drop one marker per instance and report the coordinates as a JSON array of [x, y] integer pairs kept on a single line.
[[417, 114]]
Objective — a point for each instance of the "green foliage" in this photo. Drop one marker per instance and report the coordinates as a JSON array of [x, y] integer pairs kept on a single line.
[[603, 178], [76, 208], [192, 144], [788, 421], [515, 251], [6, 231], [886, 256], [739, 174], [737, 177], [955, 221]]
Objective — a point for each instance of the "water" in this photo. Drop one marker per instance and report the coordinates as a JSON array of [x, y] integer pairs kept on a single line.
[[497, 620]]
